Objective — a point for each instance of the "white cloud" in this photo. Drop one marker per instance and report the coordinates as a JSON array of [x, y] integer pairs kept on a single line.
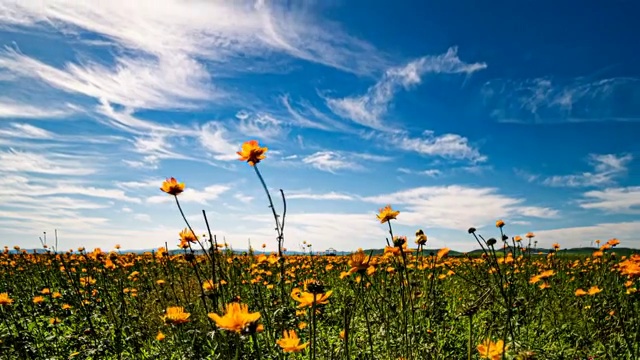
[[243, 198], [11, 109], [613, 200], [626, 232], [450, 146], [31, 188], [311, 196], [142, 217], [329, 161], [544, 100], [50, 163], [263, 126], [428, 172], [332, 161], [368, 109], [26, 131], [211, 192], [214, 137], [457, 207], [606, 168]]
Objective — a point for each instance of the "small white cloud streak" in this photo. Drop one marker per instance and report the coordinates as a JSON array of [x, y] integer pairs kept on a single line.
[[606, 168], [190, 195], [624, 200], [15, 110], [368, 110]]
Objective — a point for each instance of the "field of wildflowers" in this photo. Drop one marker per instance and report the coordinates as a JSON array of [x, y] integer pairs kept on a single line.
[[207, 302]]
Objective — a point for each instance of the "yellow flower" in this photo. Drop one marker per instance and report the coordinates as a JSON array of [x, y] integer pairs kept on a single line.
[[237, 318], [499, 223], [38, 299], [580, 292], [290, 342], [175, 315], [307, 299], [160, 336], [491, 350], [594, 290], [172, 186], [387, 213], [442, 253], [252, 152], [54, 321], [5, 299], [359, 261], [187, 235]]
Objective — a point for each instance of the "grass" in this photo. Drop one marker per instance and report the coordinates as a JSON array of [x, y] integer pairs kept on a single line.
[[506, 300]]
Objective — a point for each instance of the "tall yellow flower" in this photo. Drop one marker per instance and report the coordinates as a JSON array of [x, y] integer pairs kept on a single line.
[[237, 319], [387, 213], [290, 342], [172, 186], [306, 298], [176, 315], [491, 350], [251, 152]]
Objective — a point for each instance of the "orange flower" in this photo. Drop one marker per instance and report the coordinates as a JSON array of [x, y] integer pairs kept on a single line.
[[491, 350], [172, 187], [290, 342], [580, 292], [176, 315], [530, 235], [442, 253], [307, 299], [499, 223], [252, 152], [594, 290], [359, 261], [237, 319], [187, 235], [5, 299], [387, 213]]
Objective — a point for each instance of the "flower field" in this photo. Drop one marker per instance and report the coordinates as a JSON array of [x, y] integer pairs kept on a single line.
[[205, 301]]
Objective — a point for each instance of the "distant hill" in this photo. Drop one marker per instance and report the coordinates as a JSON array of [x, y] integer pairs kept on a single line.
[[583, 251]]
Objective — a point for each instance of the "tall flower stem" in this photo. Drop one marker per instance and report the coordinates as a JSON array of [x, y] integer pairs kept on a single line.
[[190, 228], [279, 227]]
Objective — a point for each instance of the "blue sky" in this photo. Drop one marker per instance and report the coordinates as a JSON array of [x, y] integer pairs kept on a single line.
[[456, 114]]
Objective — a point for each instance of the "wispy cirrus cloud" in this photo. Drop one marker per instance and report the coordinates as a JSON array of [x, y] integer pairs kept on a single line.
[[551, 100], [12, 109], [369, 109], [606, 169], [332, 161], [448, 146], [620, 200]]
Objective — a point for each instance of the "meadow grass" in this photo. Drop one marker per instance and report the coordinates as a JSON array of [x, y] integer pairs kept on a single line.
[[208, 302]]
